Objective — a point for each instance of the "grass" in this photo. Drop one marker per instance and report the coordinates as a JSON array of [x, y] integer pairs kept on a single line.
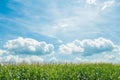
[[101, 71]]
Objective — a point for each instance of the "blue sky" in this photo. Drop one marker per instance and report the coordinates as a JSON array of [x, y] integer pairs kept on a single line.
[[59, 31]]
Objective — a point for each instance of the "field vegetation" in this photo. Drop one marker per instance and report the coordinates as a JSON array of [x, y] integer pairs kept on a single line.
[[101, 71]]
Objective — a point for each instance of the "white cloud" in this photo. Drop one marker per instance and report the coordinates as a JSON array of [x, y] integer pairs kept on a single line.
[[55, 15], [28, 46], [100, 50], [77, 59], [60, 41], [53, 60], [109, 57], [107, 4], [1, 51], [117, 49], [33, 59], [80, 60], [91, 1], [97, 45], [20, 59], [70, 48], [87, 46], [69, 26], [66, 61]]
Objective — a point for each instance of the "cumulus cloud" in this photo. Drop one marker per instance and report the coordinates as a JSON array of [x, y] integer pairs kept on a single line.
[[28, 46], [70, 48], [97, 46], [29, 51], [88, 46], [20, 59], [109, 57], [77, 59], [53, 60], [80, 60]]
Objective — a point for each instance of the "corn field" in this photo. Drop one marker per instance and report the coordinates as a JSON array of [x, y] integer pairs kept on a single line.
[[101, 71]]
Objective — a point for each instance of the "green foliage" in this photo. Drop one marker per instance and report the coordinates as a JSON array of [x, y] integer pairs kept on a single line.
[[99, 71]]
